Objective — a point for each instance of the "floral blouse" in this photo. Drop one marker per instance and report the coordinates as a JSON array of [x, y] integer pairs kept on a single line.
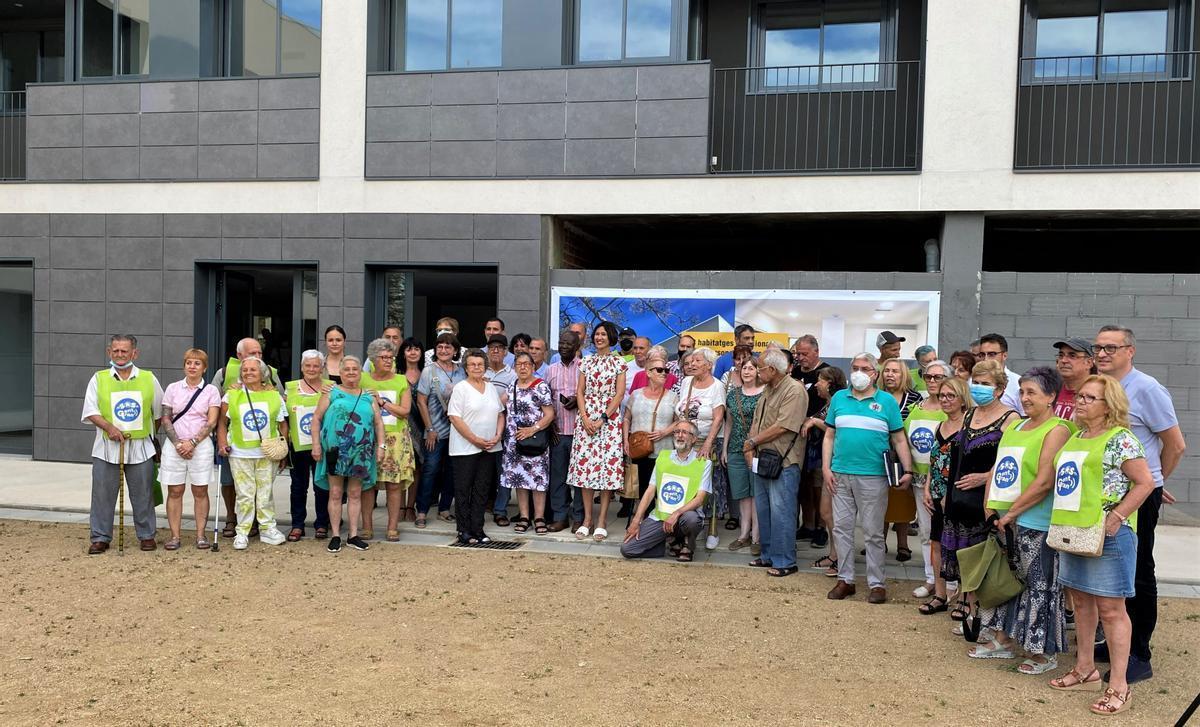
[[1119, 449]]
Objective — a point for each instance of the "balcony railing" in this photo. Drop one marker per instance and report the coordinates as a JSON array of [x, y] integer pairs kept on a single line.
[[12, 135], [1108, 111], [849, 117]]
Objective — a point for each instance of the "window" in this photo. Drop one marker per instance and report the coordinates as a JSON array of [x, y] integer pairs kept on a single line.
[[817, 43], [621, 30], [30, 56], [1089, 39], [197, 38]]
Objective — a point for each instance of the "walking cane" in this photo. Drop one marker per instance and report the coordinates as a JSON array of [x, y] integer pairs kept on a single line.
[[216, 541], [712, 541], [121, 496]]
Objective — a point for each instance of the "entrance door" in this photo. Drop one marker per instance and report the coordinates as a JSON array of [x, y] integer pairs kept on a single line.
[[275, 304], [16, 357]]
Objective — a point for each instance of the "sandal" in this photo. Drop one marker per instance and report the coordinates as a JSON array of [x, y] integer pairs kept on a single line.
[[937, 604], [674, 548], [685, 556], [1029, 666], [446, 516], [172, 544], [739, 543], [202, 543], [321, 533], [521, 524], [421, 521], [599, 534], [582, 532], [408, 518], [539, 526], [228, 531], [903, 555], [759, 563], [366, 534], [393, 536], [1105, 705], [294, 535], [781, 572], [993, 649], [1078, 681], [960, 611], [501, 521], [732, 524], [824, 562]]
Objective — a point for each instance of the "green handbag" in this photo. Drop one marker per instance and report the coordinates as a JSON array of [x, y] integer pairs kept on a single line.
[[985, 571]]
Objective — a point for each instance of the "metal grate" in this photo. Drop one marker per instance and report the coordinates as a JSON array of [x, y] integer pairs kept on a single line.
[[494, 545]]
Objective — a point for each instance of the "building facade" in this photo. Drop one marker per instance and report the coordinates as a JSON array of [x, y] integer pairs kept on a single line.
[[196, 175]]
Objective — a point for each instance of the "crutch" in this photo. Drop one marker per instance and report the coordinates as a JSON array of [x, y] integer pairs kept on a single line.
[[216, 506], [121, 496]]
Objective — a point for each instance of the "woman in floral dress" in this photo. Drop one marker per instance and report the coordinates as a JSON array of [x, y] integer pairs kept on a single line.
[[530, 410], [597, 459]]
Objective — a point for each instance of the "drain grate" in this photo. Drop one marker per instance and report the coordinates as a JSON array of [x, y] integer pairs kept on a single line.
[[494, 545]]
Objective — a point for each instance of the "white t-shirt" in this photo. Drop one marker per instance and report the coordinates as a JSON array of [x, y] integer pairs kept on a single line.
[[699, 407], [478, 411], [252, 452]]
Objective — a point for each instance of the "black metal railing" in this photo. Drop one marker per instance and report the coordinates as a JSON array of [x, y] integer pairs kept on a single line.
[[12, 135], [848, 117], [1107, 111]]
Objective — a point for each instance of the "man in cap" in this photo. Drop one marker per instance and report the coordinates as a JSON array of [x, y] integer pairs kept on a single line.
[[625, 341], [888, 344], [1075, 363]]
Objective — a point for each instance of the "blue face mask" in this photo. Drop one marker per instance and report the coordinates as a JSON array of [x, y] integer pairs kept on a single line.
[[120, 367], [982, 394]]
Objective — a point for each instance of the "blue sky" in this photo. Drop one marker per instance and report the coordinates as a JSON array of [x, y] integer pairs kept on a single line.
[[656, 318]]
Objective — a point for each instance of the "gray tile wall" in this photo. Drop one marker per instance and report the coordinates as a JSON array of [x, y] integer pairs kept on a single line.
[[100, 274], [1035, 309], [254, 128], [610, 121]]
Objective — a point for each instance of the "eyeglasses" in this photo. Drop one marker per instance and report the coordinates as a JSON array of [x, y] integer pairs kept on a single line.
[[1109, 349], [385, 357], [1086, 399], [1073, 355], [934, 377], [991, 354], [947, 397], [658, 370]]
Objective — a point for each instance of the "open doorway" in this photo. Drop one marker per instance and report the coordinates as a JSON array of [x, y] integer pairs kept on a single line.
[[275, 304], [415, 298], [16, 357]]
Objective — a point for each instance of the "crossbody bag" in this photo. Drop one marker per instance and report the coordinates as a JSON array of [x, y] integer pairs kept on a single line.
[[770, 462]]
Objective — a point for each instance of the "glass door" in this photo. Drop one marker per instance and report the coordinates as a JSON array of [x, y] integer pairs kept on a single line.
[[16, 357]]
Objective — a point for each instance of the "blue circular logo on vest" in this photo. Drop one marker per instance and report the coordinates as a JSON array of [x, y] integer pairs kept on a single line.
[[306, 424], [1067, 479], [1007, 470], [922, 439], [127, 410], [672, 494], [255, 420]]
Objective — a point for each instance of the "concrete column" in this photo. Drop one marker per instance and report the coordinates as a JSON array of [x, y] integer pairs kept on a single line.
[[962, 261], [343, 95]]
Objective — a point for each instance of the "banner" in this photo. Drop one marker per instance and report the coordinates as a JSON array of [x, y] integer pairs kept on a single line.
[[845, 322]]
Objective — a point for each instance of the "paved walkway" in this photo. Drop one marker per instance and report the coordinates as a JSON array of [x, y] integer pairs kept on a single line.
[[61, 492]]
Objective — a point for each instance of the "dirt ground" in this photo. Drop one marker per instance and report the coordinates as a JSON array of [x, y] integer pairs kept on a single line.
[[406, 635]]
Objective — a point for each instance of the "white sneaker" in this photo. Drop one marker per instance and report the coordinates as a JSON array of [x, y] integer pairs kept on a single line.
[[922, 591], [241, 542], [712, 542], [272, 537]]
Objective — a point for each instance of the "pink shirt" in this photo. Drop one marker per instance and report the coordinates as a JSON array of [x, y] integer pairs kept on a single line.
[[177, 397], [562, 380], [640, 380]]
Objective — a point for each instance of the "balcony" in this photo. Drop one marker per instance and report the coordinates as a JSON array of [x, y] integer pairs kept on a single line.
[[12, 135], [1121, 111], [854, 117]]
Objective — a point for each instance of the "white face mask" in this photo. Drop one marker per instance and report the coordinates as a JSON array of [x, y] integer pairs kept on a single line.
[[859, 380]]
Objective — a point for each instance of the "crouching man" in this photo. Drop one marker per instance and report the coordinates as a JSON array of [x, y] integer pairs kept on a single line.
[[681, 482]]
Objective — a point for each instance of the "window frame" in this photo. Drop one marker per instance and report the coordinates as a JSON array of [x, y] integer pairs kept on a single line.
[[757, 42], [398, 47], [679, 17], [1179, 40]]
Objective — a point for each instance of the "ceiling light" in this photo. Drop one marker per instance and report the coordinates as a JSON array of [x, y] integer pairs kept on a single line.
[[794, 314], [886, 305], [877, 316]]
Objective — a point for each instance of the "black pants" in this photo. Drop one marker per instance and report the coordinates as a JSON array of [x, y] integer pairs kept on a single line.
[[473, 476], [1143, 607], [301, 473]]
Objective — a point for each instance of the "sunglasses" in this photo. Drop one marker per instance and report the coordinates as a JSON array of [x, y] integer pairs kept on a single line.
[[658, 370]]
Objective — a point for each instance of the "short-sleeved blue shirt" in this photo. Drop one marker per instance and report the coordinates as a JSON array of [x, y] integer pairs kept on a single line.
[[862, 429], [437, 385], [1150, 411]]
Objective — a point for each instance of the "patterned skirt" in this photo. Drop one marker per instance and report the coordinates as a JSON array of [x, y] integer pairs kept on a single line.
[[955, 537], [1036, 619], [397, 464]]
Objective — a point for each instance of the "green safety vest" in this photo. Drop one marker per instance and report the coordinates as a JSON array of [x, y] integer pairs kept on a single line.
[[1079, 497], [391, 390], [1017, 462], [921, 428], [918, 383], [675, 484], [233, 372], [300, 408], [128, 405], [244, 430]]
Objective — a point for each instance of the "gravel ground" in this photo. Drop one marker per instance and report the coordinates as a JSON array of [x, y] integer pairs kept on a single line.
[[408, 635]]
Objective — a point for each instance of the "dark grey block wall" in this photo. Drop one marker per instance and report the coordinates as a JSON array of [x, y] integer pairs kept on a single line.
[[610, 121], [99, 274], [255, 128], [1035, 309]]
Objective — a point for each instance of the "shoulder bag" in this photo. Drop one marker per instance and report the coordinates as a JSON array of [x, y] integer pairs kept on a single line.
[[536, 445], [275, 448], [770, 462], [640, 445]]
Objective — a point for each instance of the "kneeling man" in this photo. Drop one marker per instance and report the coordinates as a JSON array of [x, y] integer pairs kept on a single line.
[[681, 482]]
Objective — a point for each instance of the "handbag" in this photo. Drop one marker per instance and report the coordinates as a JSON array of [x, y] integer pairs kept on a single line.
[[770, 462], [986, 572], [1087, 542], [640, 445], [537, 444], [275, 448], [633, 483]]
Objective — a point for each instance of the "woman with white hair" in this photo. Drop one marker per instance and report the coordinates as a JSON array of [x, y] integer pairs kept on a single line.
[[302, 398], [702, 399]]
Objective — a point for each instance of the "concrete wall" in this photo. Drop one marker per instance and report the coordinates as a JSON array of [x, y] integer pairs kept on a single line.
[[1035, 309], [612, 121], [100, 274], [265, 128]]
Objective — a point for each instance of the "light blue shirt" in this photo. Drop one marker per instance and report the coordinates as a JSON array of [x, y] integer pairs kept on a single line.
[[1150, 411]]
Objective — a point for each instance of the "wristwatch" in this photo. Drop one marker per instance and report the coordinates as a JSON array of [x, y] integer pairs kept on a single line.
[[604, 416]]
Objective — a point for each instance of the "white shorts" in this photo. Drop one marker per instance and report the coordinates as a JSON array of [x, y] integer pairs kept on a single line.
[[175, 470]]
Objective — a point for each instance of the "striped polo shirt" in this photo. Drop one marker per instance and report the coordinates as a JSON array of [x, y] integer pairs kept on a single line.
[[861, 429]]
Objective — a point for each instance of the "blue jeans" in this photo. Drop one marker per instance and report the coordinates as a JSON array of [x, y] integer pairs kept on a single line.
[[560, 494], [775, 505], [436, 476], [502, 493]]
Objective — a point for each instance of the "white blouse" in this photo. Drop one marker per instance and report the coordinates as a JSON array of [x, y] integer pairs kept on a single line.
[[478, 411]]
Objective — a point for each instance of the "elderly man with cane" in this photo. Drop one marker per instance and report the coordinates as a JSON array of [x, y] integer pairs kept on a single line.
[[123, 402]]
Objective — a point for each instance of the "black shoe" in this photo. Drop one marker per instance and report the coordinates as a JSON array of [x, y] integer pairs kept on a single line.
[[626, 509], [820, 538], [913, 529], [1136, 671], [804, 533], [1100, 651], [335, 545], [357, 543]]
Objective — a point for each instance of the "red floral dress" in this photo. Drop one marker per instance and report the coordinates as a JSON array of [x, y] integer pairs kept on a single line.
[[597, 461]]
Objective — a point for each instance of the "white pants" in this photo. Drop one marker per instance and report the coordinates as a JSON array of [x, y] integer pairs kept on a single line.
[[175, 470], [924, 523]]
